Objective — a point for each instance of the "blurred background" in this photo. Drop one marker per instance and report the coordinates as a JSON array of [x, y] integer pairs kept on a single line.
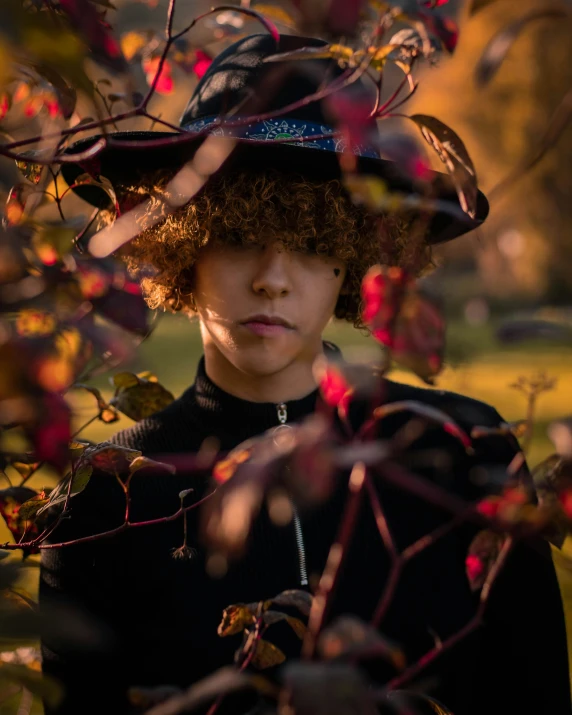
[[517, 266]]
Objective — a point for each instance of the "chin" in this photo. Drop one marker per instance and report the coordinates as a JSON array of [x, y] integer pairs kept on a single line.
[[265, 358]]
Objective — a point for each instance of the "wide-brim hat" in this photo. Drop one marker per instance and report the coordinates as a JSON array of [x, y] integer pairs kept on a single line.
[[241, 84]]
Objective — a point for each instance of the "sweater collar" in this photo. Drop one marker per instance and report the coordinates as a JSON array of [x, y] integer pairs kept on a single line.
[[243, 418]]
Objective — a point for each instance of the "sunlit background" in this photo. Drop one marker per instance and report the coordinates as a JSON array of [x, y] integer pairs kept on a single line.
[[516, 266]]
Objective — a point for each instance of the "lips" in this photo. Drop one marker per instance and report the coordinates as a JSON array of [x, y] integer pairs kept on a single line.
[[267, 325], [268, 320]]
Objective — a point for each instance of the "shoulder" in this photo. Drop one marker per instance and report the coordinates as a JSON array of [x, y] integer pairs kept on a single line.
[[171, 430], [491, 449], [464, 410]]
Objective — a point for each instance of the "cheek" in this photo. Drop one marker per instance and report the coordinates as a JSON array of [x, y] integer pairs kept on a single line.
[[215, 281], [322, 290]]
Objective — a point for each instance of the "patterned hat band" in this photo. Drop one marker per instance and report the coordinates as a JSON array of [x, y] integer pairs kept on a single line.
[[284, 129]]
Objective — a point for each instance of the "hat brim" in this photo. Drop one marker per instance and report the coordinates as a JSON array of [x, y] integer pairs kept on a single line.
[[129, 164]]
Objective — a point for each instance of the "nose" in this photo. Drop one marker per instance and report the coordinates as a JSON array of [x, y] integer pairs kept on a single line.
[[271, 276]]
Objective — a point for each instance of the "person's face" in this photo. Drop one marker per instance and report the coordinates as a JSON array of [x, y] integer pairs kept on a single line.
[[236, 283]]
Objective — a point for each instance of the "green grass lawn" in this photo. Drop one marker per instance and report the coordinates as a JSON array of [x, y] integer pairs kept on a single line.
[[476, 366]]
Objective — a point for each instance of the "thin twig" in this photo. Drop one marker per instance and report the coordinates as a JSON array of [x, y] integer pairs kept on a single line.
[[338, 552]]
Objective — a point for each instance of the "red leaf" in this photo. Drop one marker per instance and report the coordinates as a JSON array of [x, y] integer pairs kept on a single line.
[[85, 19], [333, 385], [474, 566], [445, 28], [566, 501], [419, 336], [11, 500], [52, 434], [164, 83], [383, 290], [483, 553], [201, 64], [4, 104]]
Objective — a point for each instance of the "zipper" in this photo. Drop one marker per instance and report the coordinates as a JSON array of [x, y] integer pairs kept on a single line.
[[282, 412]]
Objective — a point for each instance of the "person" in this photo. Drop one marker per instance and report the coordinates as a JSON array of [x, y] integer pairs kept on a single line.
[[265, 254]]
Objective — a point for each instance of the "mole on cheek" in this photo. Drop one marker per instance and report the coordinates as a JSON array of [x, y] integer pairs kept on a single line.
[[336, 272]]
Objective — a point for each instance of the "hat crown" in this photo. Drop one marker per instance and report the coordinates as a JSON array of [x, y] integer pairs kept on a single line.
[[239, 80]]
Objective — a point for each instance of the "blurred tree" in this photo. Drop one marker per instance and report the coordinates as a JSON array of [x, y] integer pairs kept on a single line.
[[525, 246]]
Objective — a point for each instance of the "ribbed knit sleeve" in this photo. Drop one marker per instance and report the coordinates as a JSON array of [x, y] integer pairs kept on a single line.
[[81, 613], [84, 643]]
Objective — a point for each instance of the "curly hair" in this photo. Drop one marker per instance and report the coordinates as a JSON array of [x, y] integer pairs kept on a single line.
[[247, 207]]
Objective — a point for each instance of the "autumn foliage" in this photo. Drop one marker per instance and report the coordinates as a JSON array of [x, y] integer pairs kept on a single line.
[[69, 312]]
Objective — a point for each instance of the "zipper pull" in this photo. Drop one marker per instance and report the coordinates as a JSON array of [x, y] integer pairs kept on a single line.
[[282, 411]]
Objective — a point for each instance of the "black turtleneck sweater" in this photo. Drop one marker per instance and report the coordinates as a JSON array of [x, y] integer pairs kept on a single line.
[[149, 619]]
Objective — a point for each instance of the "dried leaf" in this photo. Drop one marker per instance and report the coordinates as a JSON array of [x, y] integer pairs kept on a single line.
[[142, 399], [11, 501], [271, 617], [452, 152], [110, 458], [81, 478], [267, 655], [29, 509], [107, 413], [31, 171], [235, 619], [77, 449], [146, 463], [483, 553], [294, 598]]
